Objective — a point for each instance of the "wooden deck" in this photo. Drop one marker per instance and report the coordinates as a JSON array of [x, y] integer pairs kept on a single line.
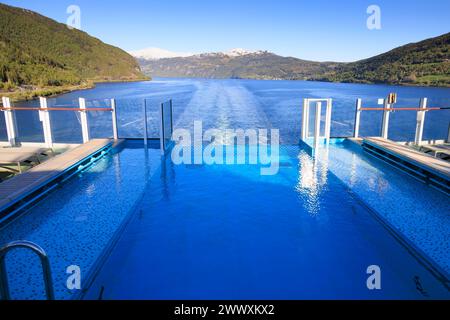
[[430, 170], [20, 186]]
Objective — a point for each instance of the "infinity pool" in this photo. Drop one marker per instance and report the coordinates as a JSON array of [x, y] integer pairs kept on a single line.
[[226, 232]]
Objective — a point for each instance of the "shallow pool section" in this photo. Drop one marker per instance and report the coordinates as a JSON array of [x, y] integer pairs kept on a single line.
[[75, 223], [417, 211], [227, 232]]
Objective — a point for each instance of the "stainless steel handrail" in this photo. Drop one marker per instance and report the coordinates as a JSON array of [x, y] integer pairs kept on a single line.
[[4, 288]]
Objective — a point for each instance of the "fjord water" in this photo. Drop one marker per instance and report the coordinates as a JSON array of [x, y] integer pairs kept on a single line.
[[236, 104]]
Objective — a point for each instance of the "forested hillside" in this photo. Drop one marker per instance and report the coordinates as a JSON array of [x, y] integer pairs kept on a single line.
[[425, 63], [37, 52]]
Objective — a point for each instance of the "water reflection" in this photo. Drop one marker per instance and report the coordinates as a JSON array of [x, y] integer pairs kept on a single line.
[[312, 178]]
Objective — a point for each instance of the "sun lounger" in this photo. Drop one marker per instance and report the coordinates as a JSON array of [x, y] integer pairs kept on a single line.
[[29, 150], [438, 151], [17, 155], [16, 158]]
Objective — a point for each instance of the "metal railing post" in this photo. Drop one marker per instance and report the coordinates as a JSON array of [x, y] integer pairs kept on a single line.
[[317, 124], [44, 117], [305, 119], [420, 122], [385, 124], [328, 120], [357, 118], [10, 122], [114, 120], [84, 120]]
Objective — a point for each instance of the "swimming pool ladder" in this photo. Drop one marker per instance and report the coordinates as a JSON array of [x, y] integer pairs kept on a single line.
[[4, 288]]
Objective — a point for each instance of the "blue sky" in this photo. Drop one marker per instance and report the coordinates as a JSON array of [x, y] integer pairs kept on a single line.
[[315, 29]]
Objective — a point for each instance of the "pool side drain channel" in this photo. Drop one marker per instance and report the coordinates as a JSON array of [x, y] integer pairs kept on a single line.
[[420, 173]]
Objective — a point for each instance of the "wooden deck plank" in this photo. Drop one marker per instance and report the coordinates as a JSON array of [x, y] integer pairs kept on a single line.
[[420, 159], [28, 182]]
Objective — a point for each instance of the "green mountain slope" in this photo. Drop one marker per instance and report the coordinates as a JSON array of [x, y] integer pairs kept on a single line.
[[423, 63], [38, 52], [260, 65]]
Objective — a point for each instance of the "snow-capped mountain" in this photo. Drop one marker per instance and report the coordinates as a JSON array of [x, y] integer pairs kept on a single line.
[[235, 63], [241, 52], [247, 64], [237, 52], [157, 53]]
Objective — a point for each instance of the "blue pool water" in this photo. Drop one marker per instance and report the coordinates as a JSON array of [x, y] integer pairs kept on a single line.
[[192, 231], [414, 209], [75, 223], [226, 232]]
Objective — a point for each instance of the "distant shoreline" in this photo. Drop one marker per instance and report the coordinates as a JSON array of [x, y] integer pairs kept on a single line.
[[27, 95], [403, 84]]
